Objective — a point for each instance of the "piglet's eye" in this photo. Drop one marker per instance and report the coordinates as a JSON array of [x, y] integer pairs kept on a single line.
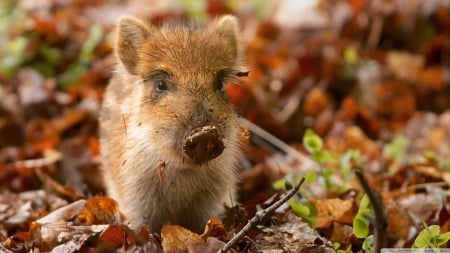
[[161, 85]]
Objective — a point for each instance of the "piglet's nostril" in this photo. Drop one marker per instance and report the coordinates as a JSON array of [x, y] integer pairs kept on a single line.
[[203, 144]]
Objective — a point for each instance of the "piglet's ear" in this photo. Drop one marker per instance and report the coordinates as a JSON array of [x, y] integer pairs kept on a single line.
[[228, 28], [132, 33]]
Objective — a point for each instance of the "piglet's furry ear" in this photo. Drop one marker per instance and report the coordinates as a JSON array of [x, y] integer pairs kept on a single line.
[[131, 34], [228, 27]]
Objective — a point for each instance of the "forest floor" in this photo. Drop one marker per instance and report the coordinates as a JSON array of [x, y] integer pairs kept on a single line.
[[353, 96]]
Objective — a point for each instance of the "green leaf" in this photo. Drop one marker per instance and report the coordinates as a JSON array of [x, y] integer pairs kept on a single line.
[[361, 226], [336, 245], [447, 165], [14, 57], [350, 55], [365, 203], [310, 176], [279, 184], [299, 208], [196, 9], [312, 142], [396, 148], [72, 74], [367, 244], [361, 222], [94, 38], [442, 239], [327, 174], [304, 209], [426, 237]]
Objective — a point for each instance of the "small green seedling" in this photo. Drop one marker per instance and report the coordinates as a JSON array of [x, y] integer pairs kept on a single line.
[[430, 237], [361, 222]]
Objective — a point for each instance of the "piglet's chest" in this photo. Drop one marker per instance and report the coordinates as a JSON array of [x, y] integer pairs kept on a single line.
[[187, 185]]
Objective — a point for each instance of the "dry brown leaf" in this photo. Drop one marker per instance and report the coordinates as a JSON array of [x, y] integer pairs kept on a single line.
[[49, 227], [404, 65], [446, 177], [69, 119], [395, 100], [212, 245], [175, 238], [432, 78], [333, 210], [341, 233], [214, 228], [356, 139], [291, 235], [100, 210], [67, 193], [113, 237], [316, 101], [430, 171], [399, 221], [41, 133]]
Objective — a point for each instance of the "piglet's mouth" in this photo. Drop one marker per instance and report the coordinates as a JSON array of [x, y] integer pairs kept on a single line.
[[203, 144]]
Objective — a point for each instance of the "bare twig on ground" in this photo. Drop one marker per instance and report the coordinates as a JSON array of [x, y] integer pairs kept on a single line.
[[380, 220], [4, 249], [260, 216], [305, 160]]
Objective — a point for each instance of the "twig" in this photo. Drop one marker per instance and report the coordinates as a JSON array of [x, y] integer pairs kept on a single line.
[[4, 249], [260, 216], [380, 220], [375, 32], [305, 160]]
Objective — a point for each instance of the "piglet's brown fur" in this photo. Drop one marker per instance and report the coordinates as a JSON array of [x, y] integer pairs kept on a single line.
[[168, 82]]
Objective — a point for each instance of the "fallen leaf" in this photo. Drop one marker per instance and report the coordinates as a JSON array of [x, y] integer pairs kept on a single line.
[[214, 228], [315, 102], [212, 245], [342, 234], [400, 222], [404, 65], [51, 226], [175, 238], [354, 138], [333, 210], [100, 210], [113, 237], [432, 78]]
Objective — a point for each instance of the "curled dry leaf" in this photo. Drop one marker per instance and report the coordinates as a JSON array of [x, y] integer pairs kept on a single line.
[[333, 210], [176, 238], [212, 245], [395, 101], [355, 138], [51, 226], [404, 65], [400, 222], [65, 213], [292, 235], [214, 228], [67, 193], [100, 210], [341, 233], [113, 237], [316, 101]]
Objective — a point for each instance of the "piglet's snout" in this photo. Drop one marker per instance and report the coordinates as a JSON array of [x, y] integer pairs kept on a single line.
[[203, 144]]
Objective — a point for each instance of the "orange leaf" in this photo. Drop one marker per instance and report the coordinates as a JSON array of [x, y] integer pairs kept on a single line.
[[316, 101], [330, 210], [399, 221], [175, 238], [356, 139], [214, 228], [100, 210], [113, 236], [432, 78]]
